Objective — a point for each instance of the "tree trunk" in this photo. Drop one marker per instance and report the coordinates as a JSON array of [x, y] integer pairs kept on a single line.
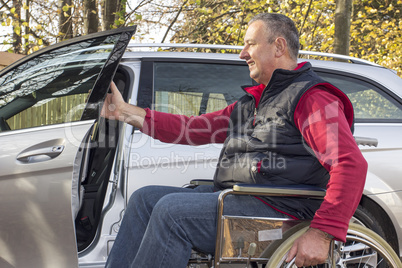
[[90, 16], [110, 10], [17, 31], [65, 20], [27, 29], [343, 14]]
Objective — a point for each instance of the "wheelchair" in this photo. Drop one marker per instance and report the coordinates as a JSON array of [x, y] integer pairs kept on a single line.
[[264, 242]]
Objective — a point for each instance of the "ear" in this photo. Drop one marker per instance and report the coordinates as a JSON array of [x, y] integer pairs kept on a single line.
[[281, 46]]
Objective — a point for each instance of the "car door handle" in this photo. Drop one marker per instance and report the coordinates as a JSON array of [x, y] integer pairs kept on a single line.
[[40, 154]]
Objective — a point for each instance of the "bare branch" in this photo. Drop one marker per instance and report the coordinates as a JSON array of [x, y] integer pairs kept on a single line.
[[174, 21]]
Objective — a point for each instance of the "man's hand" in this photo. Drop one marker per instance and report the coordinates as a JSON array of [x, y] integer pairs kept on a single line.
[[310, 249], [115, 108], [113, 102]]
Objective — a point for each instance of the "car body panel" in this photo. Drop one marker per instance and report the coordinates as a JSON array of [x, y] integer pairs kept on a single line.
[[391, 204], [37, 200]]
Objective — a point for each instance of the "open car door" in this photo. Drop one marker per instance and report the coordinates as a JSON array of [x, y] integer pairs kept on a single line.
[[45, 112]]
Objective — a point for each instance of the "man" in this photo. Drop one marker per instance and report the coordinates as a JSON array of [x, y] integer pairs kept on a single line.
[[292, 116]]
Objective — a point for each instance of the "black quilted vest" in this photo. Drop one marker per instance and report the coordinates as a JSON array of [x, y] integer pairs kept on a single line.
[[264, 146]]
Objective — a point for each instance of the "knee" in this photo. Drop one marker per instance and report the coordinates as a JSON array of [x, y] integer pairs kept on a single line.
[[140, 197], [168, 207]]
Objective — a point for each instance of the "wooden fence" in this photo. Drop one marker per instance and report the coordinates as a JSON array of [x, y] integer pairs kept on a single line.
[[49, 112]]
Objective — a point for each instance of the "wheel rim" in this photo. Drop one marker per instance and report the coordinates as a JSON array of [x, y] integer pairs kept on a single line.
[[363, 249]]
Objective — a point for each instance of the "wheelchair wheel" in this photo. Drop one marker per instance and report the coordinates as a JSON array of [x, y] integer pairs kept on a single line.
[[363, 249]]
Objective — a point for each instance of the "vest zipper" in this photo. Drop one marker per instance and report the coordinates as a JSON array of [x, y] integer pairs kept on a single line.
[[255, 115]]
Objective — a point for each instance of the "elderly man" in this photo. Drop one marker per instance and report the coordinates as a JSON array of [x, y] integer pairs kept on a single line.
[[293, 116]]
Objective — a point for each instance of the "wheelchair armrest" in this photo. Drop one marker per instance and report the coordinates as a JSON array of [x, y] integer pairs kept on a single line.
[[198, 182], [279, 190], [366, 141]]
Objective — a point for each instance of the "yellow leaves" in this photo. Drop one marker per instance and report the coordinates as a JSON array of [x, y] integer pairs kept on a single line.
[[17, 30], [66, 8], [119, 21], [7, 22]]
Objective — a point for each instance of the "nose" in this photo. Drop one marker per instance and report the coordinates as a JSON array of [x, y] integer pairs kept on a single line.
[[243, 54]]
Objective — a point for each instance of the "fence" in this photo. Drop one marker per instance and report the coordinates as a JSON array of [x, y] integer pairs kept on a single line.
[[49, 112]]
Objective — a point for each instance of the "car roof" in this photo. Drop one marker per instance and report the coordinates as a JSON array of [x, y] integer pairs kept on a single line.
[[355, 67]]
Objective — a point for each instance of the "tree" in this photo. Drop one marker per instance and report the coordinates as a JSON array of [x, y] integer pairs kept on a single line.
[[376, 32], [113, 13], [17, 29], [65, 19], [343, 14], [90, 17]]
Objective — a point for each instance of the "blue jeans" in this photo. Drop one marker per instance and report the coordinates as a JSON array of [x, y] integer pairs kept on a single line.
[[162, 224]]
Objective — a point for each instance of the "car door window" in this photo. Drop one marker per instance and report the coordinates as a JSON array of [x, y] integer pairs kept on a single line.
[[53, 87], [197, 88], [370, 103]]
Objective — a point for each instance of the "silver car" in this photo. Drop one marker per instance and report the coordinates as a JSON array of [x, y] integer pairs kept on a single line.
[[66, 173]]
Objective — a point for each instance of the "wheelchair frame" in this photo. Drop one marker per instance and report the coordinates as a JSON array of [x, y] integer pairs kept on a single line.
[[276, 251], [300, 191]]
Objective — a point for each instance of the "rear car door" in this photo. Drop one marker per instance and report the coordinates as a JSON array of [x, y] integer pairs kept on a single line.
[[45, 111]]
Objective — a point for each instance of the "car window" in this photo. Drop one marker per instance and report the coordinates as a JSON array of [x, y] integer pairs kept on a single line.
[[197, 88], [370, 103], [53, 87]]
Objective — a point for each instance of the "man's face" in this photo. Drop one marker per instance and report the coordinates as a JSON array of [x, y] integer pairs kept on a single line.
[[258, 53]]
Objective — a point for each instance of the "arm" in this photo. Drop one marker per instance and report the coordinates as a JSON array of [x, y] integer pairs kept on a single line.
[[181, 129], [321, 119], [170, 128]]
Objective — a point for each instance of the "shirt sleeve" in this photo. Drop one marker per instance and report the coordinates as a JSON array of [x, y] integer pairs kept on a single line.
[[181, 129], [320, 117]]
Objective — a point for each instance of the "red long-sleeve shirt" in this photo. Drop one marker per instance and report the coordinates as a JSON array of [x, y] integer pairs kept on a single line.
[[320, 117]]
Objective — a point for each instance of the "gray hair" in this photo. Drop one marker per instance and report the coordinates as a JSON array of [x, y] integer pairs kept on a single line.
[[279, 25]]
